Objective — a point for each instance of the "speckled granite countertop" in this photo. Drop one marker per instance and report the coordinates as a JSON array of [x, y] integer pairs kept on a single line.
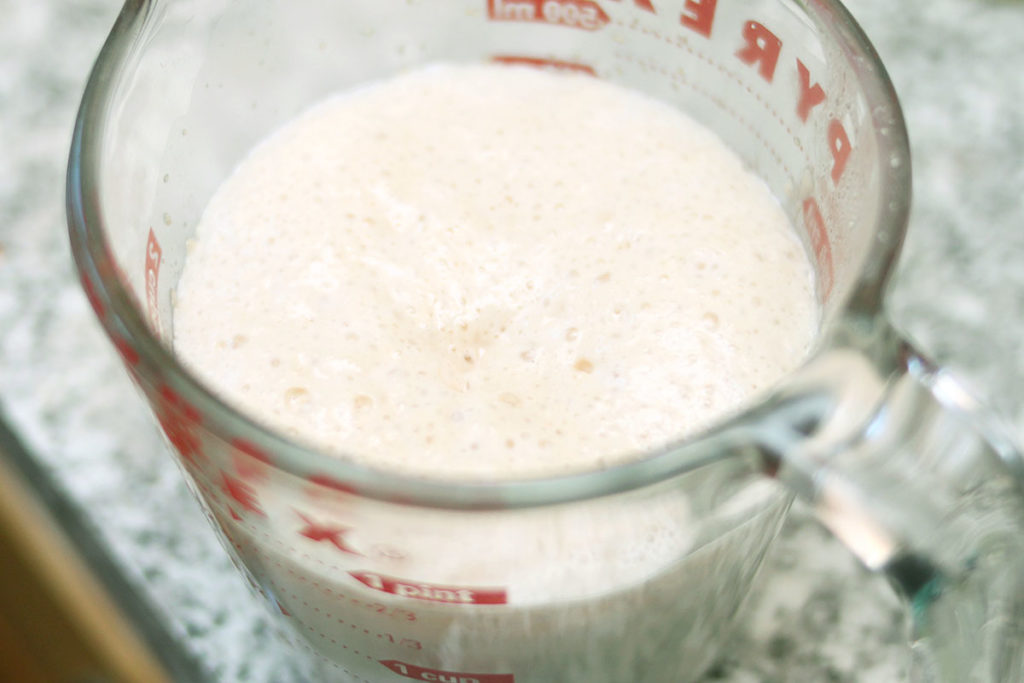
[[817, 617]]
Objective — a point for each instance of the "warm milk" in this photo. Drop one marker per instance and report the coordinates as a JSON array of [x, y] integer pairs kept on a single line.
[[482, 272], [492, 272]]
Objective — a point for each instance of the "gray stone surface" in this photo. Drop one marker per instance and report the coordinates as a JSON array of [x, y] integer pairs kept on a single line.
[[817, 616]]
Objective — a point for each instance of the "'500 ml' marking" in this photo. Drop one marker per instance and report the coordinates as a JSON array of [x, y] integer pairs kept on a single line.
[[584, 14]]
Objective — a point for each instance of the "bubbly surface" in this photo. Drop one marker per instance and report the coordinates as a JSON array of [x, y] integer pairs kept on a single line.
[[489, 271]]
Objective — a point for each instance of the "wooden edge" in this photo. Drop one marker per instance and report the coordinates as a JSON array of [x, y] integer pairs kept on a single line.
[[31, 530]]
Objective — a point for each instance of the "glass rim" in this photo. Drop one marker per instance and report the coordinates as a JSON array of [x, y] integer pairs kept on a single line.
[[157, 366]]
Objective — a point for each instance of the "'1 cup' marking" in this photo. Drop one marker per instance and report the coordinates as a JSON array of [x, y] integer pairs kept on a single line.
[[419, 673]]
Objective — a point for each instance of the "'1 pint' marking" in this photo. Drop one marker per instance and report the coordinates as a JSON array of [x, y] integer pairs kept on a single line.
[[419, 673], [459, 595]]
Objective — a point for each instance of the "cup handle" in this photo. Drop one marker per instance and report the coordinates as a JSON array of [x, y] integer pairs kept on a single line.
[[923, 488]]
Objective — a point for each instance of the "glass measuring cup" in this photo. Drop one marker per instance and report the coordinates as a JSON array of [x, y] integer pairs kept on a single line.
[[867, 431]]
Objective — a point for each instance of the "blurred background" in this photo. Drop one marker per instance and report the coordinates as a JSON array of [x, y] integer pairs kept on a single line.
[[108, 571]]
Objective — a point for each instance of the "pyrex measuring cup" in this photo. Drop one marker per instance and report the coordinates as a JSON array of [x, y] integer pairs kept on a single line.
[[628, 574]]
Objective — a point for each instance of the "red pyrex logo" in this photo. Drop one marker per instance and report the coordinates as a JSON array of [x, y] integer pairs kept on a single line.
[[419, 673], [584, 14], [756, 46], [153, 255], [460, 595]]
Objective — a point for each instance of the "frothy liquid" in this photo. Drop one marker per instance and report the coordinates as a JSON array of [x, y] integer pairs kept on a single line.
[[484, 272], [493, 272]]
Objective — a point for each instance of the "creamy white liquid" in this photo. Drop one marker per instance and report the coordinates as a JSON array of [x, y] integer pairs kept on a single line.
[[486, 272]]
